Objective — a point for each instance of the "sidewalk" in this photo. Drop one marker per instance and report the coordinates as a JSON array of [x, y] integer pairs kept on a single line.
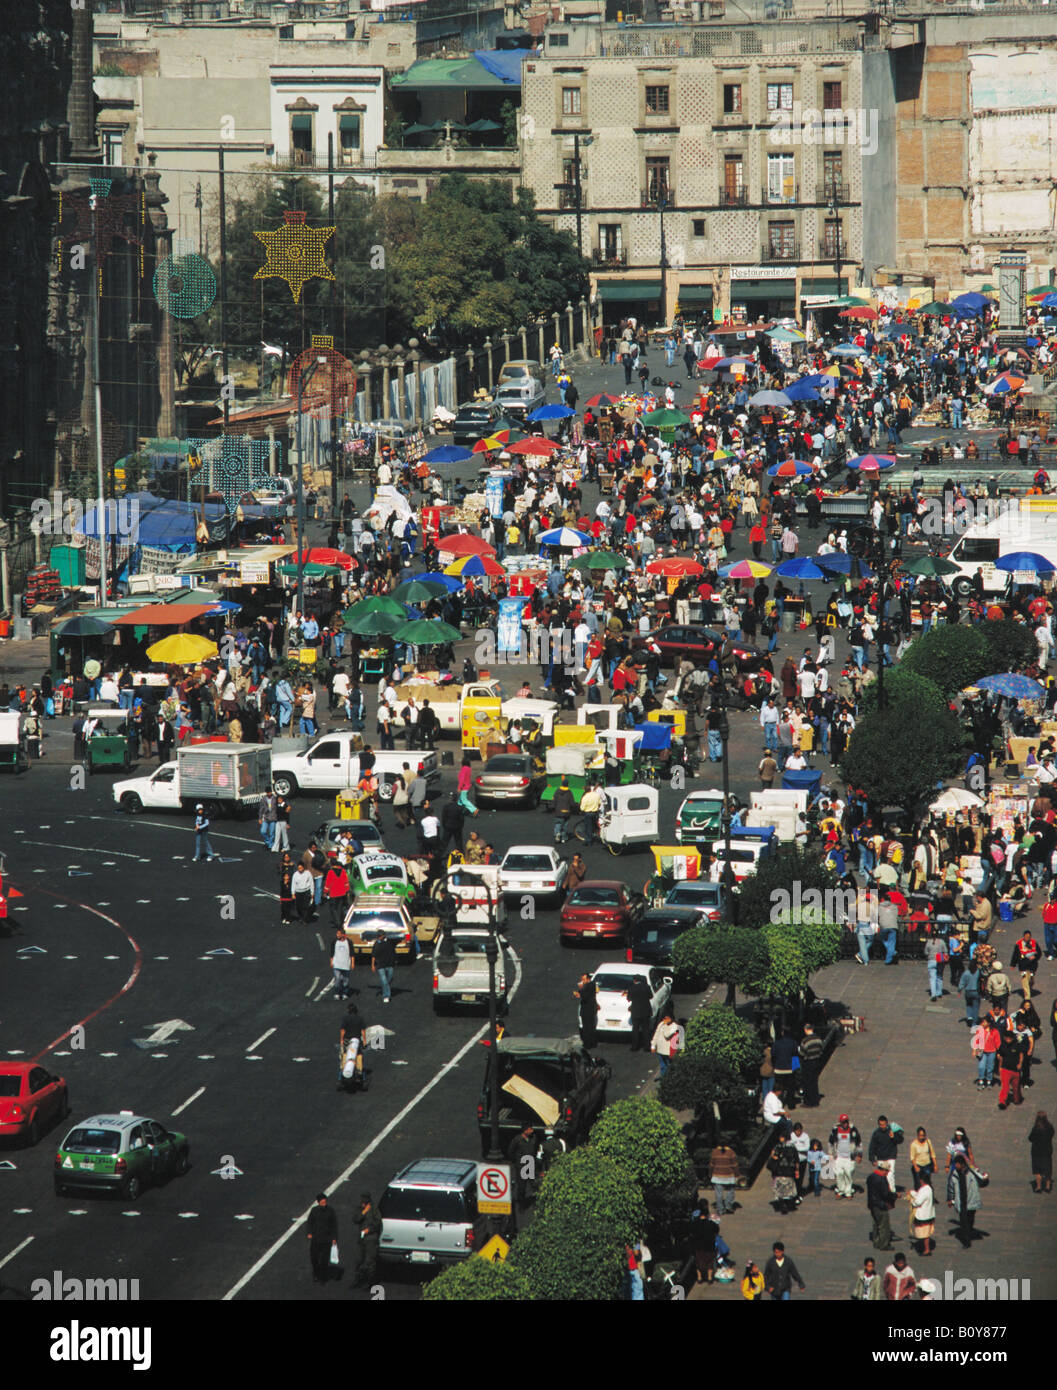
[[913, 1064]]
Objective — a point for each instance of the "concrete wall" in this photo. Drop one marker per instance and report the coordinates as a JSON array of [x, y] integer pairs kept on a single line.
[[1011, 152], [879, 244]]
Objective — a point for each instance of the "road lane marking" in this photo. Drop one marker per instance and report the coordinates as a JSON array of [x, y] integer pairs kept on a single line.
[[16, 1250], [263, 1038], [189, 1101], [81, 849], [365, 1153], [308, 991]]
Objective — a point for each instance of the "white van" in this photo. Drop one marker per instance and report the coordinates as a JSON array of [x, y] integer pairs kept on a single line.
[[1029, 525]]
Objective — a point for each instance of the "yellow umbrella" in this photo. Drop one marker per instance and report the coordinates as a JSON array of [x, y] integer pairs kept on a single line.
[[182, 648]]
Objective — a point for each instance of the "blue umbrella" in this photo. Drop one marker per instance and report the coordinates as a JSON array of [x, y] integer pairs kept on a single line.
[[1048, 301], [225, 606], [447, 453], [790, 468], [799, 391], [970, 300], [551, 412], [840, 563], [1011, 685], [802, 567], [435, 577], [1025, 560], [871, 462], [848, 350], [819, 380]]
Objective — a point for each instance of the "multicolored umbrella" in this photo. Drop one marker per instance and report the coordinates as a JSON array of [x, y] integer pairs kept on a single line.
[[601, 400], [1025, 560], [491, 443], [1004, 382], [790, 468], [565, 538], [1012, 685], [476, 567], [464, 544], [427, 632], [674, 567], [746, 569], [871, 463]]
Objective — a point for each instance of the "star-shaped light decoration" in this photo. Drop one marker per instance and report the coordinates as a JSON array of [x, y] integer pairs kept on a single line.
[[235, 465], [102, 218], [295, 253]]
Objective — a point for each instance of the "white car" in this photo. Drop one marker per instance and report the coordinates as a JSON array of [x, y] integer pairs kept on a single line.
[[533, 869], [266, 497], [614, 1008]]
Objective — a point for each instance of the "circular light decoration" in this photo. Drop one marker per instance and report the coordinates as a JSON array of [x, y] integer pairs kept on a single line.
[[185, 286]]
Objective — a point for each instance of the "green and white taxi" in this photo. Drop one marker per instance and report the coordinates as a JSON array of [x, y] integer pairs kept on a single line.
[[121, 1153], [376, 874]]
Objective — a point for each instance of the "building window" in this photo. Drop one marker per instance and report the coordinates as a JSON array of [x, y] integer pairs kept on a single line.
[[112, 139], [302, 144], [657, 101], [570, 101], [781, 241], [779, 96], [286, 31], [349, 138], [567, 190], [731, 98], [657, 178], [698, 225], [832, 240], [733, 179], [831, 92], [558, 40], [611, 242], [780, 176]]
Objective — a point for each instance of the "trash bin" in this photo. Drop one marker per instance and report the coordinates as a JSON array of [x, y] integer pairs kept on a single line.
[[1005, 911], [790, 621]]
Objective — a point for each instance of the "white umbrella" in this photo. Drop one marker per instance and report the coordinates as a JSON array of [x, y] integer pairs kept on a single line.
[[956, 799], [778, 398]]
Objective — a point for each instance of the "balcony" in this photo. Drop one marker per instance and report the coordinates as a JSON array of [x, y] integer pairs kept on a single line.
[[829, 249], [299, 159], [834, 191], [769, 196], [613, 260], [654, 196], [733, 198], [779, 252], [567, 196]]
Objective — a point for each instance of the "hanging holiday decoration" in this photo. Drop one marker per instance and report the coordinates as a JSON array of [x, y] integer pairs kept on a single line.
[[295, 253], [333, 383], [102, 219], [234, 465], [184, 283]]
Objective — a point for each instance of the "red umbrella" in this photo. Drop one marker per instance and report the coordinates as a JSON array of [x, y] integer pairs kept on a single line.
[[540, 448], [601, 400], [674, 566], [864, 313], [321, 555], [464, 544]]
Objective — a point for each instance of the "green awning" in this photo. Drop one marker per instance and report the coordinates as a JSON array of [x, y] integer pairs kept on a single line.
[[741, 290], [830, 286], [626, 290], [695, 294]]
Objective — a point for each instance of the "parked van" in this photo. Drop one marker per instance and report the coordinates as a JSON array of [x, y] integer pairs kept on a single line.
[[748, 847], [1029, 525]]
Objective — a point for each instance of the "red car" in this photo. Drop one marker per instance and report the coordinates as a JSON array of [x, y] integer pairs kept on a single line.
[[600, 909], [31, 1099]]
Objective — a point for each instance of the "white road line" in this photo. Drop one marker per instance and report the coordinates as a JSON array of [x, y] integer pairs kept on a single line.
[[263, 1038], [189, 1101], [16, 1250], [81, 849], [184, 830], [364, 1154], [308, 994], [325, 990]]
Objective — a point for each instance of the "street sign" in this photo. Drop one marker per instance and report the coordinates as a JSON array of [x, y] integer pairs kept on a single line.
[[495, 1250], [493, 1189]]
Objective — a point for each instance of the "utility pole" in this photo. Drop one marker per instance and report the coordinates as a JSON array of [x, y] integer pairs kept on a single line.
[[224, 397], [578, 194], [95, 300]]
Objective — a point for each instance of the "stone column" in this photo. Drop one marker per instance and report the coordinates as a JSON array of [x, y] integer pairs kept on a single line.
[[569, 321], [524, 340], [555, 320], [364, 370], [270, 431], [383, 414], [471, 363], [506, 347], [401, 394], [541, 323], [488, 358], [80, 103], [588, 336], [156, 200]]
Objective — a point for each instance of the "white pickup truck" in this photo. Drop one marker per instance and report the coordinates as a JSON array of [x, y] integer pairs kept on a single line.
[[227, 778], [460, 968], [332, 763], [448, 701]]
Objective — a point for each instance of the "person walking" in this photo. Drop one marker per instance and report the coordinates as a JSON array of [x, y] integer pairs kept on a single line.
[[810, 1052], [922, 1202], [401, 807], [286, 890], [1025, 957], [867, 1287], [780, 1274], [984, 1043], [1010, 1068], [562, 805], [845, 1144], [351, 1040], [900, 1281], [342, 964], [383, 961], [370, 1235], [884, 1148], [640, 1000], [752, 1283], [336, 891], [880, 1201], [922, 1155], [963, 1197], [322, 1230], [724, 1172], [303, 889], [282, 825], [969, 985], [203, 849], [586, 993], [266, 818], [1041, 1140], [667, 1040]]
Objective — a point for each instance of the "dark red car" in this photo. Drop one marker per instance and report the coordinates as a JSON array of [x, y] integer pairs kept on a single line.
[[600, 909], [31, 1099], [700, 644]]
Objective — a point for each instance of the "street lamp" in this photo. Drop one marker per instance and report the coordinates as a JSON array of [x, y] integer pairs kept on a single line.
[[834, 211], [304, 376]]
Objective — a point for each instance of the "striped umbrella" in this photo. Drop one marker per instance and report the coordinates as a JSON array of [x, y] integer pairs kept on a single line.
[[791, 468], [565, 538], [871, 463], [476, 567], [746, 569]]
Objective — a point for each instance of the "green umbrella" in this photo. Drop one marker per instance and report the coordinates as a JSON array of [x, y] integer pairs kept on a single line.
[[374, 624], [934, 306], [426, 632], [83, 625], [419, 590], [665, 419], [929, 568], [310, 571], [599, 560], [378, 603]]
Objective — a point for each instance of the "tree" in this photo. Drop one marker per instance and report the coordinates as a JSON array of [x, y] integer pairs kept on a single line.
[[951, 655], [717, 1032], [703, 1084], [727, 955], [897, 761], [780, 881], [508, 117], [644, 1138], [1010, 645], [569, 1259], [479, 1280], [903, 686], [787, 971], [590, 1183]]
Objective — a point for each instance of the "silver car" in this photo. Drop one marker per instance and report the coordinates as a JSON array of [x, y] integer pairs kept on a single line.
[[519, 397], [508, 777], [429, 1213]]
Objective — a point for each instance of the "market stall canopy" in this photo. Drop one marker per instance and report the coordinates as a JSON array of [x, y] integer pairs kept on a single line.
[[955, 799], [426, 632], [182, 648], [1012, 685], [163, 615]]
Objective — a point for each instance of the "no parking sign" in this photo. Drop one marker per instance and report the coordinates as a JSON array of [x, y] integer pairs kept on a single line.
[[493, 1189]]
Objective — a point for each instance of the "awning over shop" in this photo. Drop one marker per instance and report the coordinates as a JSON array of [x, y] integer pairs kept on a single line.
[[162, 615], [625, 290], [741, 290], [695, 294], [830, 286]]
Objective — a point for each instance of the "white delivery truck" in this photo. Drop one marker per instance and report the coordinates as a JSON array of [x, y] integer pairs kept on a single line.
[[332, 763], [227, 778], [1029, 523]]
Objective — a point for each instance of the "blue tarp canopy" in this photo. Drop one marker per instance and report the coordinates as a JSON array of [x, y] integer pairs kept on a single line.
[[142, 519], [809, 780], [655, 737]]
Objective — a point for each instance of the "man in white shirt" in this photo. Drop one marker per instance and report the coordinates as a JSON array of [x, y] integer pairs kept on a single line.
[[108, 691], [1045, 773], [796, 763]]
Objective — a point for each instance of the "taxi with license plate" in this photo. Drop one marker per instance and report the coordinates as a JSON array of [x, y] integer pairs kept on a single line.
[[122, 1153], [380, 874], [375, 915]]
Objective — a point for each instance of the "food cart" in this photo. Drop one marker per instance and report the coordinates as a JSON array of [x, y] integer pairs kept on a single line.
[[106, 742], [14, 751], [579, 763], [630, 817]]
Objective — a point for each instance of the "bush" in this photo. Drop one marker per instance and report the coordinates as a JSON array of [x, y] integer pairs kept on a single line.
[[817, 937], [643, 1137], [787, 971], [698, 1083], [898, 761], [569, 1260], [779, 881], [904, 687], [590, 1184], [716, 1032], [1010, 646], [721, 953], [951, 656], [478, 1280]]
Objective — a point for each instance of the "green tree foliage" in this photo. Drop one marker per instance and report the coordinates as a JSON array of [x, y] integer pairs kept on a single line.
[[569, 1259], [476, 1281], [698, 1083], [589, 1183], [717, 1032], [897, 761], [1010, 646], [643, 1136], [724, 954], [773, 886], [952, 656], [903, 687], [787, 969]]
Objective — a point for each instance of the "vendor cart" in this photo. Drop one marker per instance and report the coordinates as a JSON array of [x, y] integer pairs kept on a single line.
[[107, 743]]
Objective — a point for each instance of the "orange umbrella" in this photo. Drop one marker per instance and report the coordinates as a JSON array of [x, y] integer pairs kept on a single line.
[[864, 313], [674, 566], [540, 448], [323, 555], [464, 544]]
